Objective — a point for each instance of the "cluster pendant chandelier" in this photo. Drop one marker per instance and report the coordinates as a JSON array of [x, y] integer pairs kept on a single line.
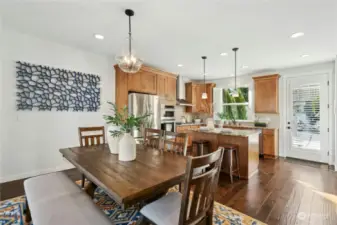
[[128, 62], [204, 94], [235, 93]]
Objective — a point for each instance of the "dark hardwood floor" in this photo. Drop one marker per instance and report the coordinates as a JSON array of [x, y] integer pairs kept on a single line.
[[284, 191]]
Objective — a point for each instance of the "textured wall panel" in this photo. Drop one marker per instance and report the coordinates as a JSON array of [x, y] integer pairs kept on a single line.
[[45, 88]]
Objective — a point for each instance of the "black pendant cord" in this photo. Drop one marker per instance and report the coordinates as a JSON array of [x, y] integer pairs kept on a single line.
[[205, 75], [130, 35], [129, 13], [204, 58], [235, 50]]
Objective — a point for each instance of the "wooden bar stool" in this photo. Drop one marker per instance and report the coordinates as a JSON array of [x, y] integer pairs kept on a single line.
[[229, 151]]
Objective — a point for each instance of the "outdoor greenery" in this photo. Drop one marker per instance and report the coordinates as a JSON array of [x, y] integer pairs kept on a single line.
[[221, 115], [123, 120], [235, 112]]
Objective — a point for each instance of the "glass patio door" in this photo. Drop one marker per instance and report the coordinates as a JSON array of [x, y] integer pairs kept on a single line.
[[308, 117]]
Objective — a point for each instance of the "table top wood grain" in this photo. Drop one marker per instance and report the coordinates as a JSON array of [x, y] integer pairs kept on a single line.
[[128, 182]]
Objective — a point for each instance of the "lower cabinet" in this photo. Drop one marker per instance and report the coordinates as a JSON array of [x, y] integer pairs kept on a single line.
[[270, 143]]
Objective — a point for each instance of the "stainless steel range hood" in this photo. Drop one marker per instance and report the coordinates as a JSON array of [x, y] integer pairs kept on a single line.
[[181, 93]]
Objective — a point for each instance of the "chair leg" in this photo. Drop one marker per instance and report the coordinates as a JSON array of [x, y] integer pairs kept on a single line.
[[28, 217], [145, 221], [237, 163], [231, 165], [83, 181], [209, 215]]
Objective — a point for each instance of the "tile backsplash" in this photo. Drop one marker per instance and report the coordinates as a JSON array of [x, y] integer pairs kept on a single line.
[[180, 112]]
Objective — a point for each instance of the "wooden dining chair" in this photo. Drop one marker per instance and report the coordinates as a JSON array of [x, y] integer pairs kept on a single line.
[[175, 142], [196, 202], [90, 136], [153, 138]]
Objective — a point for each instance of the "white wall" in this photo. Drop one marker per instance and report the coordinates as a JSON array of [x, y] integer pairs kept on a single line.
[[33, 139], [1, 96], [277, 120]]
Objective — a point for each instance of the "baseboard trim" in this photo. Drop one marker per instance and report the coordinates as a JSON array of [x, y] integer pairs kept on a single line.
[[35, 173]]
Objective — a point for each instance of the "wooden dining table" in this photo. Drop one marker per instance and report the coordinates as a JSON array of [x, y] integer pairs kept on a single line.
[[128, 183]]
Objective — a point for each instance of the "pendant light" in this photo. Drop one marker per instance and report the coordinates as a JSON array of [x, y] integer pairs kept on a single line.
[[235, 93], [204, 94], [128, 62]]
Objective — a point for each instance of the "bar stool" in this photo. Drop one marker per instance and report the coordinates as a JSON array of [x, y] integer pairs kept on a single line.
[[230, 150], [203, 147]]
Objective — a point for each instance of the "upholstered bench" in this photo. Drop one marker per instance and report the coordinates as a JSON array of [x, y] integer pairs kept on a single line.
[[54, 199]]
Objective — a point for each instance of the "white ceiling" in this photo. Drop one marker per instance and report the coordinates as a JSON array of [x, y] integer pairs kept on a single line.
[[171, 32]]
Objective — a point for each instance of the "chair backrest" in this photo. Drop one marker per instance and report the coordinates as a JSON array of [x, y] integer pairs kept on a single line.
[[175, 142], [91, 136], [198, 193], [153, 138]]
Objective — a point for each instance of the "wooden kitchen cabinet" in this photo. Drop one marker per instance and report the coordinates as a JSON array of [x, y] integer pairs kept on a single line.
[[266, 94], [172, 88], [193, 95], [121, 88], [148, 81], [167, 88], [270, 143], [162, 86], [143, 82]]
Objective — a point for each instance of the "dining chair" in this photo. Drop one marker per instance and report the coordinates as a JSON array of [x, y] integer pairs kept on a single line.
[[175, 142], [196, 202], [90, 136], [153, 138]]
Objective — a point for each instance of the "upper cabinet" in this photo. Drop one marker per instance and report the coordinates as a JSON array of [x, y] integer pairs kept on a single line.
[[148, 81], [193, 95], [144, 82], [266, 94], [166, 88]]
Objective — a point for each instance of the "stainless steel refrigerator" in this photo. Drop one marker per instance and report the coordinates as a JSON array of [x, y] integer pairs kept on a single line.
[[140, 104]]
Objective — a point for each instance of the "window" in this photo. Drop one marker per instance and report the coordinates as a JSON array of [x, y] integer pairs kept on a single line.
[[233, 107]]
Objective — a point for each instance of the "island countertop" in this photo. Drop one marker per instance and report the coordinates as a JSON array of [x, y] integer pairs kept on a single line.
[[241, 133]]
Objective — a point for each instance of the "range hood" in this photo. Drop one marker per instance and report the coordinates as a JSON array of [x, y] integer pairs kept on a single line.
[[181, 93]]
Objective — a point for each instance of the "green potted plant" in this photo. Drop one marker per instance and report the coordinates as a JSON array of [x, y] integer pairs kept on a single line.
[[124, 124], [222, 117]]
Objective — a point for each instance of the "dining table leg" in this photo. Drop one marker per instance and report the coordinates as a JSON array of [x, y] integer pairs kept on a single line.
[[90, 189]]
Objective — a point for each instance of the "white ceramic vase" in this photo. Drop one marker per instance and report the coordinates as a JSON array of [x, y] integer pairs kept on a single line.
[[127, 148], [113, 142], [221, 123]]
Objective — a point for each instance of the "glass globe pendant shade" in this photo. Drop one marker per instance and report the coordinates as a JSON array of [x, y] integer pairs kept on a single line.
[[129, 63], [235, 93], [204, 95]]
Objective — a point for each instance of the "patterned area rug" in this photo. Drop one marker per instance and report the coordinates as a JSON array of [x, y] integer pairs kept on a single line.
[[11, 212]]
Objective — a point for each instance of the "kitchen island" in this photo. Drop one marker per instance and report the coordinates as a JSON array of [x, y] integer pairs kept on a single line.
[[247, 142]]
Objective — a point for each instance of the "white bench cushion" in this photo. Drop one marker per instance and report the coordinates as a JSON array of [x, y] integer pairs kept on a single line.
[[49, 186], [164, 211], [54, 199]]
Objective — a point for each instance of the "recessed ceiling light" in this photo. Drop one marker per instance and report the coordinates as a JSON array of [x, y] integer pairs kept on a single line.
[[296, 35], [231, 75], [180, 65], [223, 54], [303, 56], [244, 67], [99, 36]]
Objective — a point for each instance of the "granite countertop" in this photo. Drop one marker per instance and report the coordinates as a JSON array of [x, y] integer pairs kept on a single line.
[[189, 124], [247, 126], [240, 133]]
